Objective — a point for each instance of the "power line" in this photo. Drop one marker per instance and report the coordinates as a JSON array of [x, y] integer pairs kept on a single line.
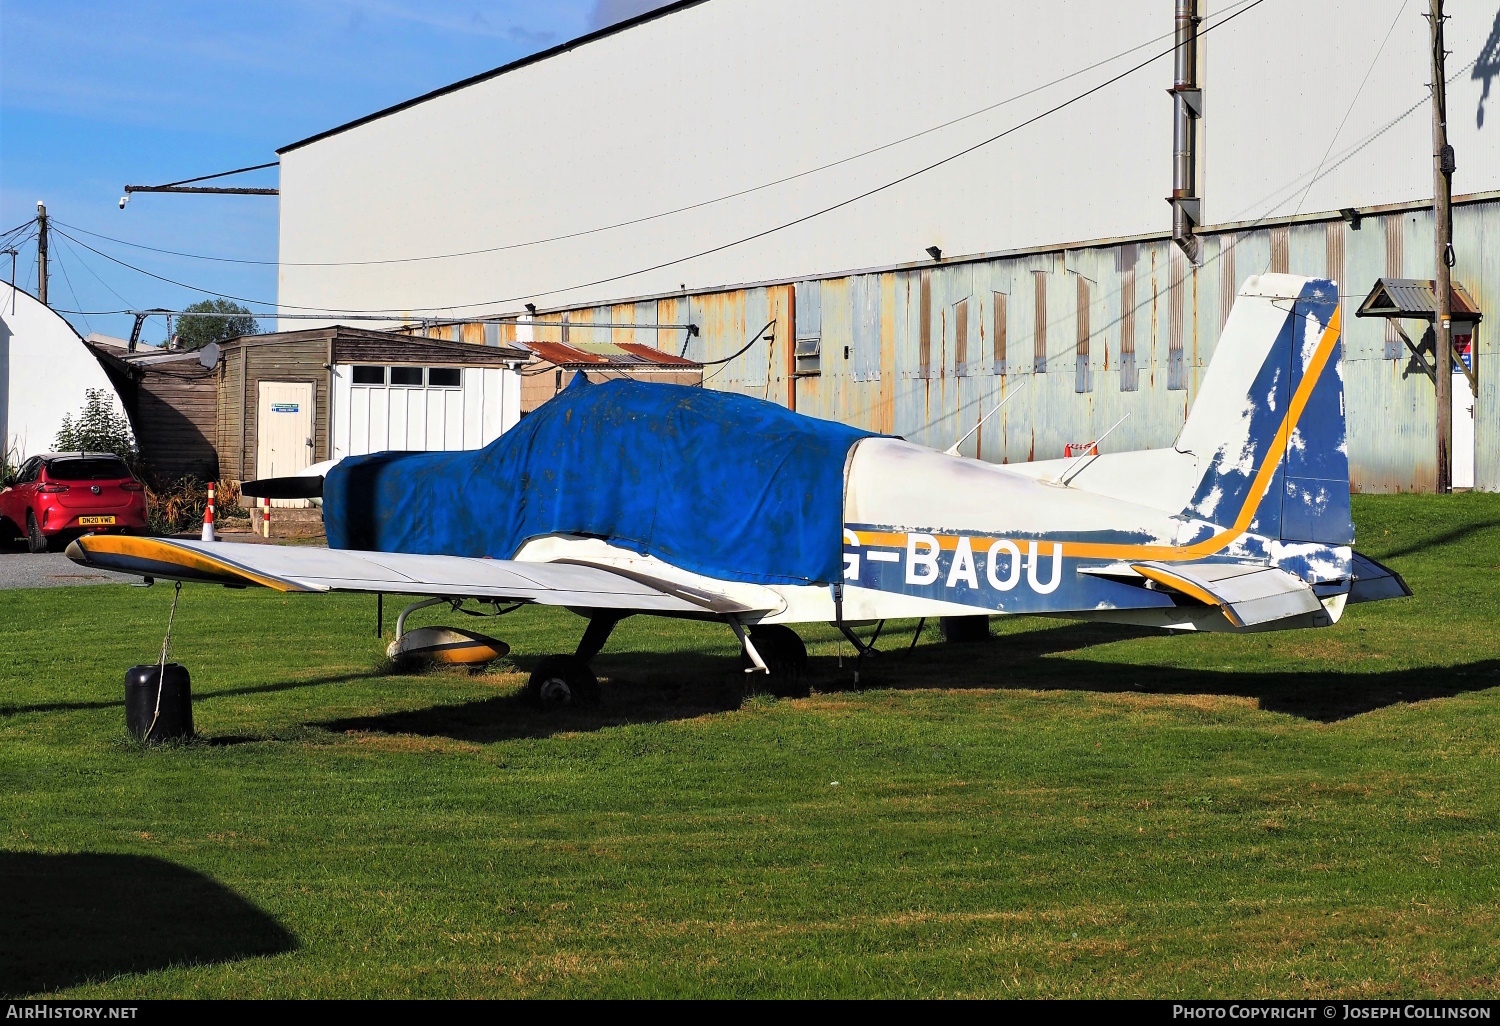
[[854, 199], [714, 249], [24, 224], [100, 280], [71, 291], [1351, 152], [1334, 138], [649, 217], [170, 281]]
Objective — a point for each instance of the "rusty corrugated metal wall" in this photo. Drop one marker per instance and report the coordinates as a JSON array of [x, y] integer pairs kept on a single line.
[[890, 341]]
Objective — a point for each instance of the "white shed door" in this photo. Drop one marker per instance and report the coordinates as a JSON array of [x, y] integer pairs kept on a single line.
[[1463, 433], [284, 432]]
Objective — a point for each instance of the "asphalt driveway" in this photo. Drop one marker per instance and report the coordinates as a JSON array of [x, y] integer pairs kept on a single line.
[[51, 570]]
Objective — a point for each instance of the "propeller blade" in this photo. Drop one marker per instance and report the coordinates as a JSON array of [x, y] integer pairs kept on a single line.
[[307, 487]]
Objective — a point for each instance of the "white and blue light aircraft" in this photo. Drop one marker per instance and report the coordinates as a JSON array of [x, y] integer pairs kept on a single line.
[[623, 499]]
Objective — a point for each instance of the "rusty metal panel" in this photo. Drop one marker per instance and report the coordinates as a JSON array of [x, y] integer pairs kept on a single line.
[[1083, 380], [866, 327], [1177, 374], [1307, 250], [1280, 250], [1394, 230], [1122, 298], [961, 338], [671, 311], [924, 326], [1039, 322], [1000, 332], [723, 335], [892, 317], [624, 313], [1127, 313], [1228, 283], [1365, 253]]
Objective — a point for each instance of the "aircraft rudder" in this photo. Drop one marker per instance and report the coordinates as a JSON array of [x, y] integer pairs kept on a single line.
[[1267, 425]]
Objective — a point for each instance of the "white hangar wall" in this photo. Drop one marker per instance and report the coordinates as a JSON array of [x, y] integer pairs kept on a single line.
[[726, 95], [45, 372]]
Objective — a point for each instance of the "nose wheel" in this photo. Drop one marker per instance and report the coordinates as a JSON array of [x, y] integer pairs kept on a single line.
[[562, 680], [785, 657]]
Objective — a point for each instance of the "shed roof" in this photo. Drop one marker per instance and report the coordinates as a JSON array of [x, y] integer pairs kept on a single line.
[[390, 346], [146, 357], [609, 354], [1416, 298]]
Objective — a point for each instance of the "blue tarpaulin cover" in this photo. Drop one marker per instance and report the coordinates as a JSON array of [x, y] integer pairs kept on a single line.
[[721, 484]]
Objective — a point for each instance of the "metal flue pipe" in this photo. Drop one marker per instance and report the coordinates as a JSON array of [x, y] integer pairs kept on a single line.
[[1187, 100]]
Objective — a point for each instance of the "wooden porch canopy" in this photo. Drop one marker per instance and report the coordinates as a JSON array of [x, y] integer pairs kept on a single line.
[[1398, 299]]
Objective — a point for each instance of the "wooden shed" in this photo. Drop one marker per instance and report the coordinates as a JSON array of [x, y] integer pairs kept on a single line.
[[292, 399], [170, 396]]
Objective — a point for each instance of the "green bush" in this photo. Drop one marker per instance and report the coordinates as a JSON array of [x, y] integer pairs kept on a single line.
[[99, 427]]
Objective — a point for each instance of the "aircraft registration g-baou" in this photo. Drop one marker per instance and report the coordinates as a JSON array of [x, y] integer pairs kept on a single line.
[[629, 498]]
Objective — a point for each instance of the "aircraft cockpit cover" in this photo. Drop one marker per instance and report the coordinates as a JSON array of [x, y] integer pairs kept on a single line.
[[681, 474]]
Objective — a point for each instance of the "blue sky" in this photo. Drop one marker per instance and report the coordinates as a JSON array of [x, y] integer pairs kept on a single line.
[[96, 94]]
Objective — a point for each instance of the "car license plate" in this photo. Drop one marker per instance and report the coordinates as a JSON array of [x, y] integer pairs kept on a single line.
[[95, 521]]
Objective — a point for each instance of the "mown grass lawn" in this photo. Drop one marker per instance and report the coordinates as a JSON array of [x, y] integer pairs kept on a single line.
[[1067, 810]]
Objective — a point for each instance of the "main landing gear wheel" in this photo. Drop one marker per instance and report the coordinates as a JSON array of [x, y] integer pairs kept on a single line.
[[35, 540], [784, 655], [562, 680]]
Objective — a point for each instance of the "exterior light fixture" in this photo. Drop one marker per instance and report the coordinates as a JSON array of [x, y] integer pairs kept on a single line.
[[531, 309], [1352, 216], [934, 252]]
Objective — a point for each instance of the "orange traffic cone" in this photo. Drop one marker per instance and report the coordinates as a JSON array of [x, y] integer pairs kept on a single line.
[[208, 516]]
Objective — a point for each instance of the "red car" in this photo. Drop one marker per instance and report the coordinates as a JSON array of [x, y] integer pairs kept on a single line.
[[65, 494]]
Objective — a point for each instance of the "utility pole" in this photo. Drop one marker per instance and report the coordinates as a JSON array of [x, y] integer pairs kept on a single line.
[[1443, 166], [41, 252]]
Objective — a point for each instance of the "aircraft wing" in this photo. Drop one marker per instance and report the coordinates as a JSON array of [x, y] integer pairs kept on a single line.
[[311, 569]]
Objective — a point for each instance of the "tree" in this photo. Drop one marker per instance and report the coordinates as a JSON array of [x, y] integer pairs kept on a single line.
[[194, 331], [99, 427]]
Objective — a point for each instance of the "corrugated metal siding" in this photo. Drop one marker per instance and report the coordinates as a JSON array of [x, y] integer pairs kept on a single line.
[[1140, 297], [1395, 267]]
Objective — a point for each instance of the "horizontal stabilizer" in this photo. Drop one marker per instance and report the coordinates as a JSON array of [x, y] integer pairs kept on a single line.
[[1373, 582], [309, 569], [1247, 594], [303, 486]]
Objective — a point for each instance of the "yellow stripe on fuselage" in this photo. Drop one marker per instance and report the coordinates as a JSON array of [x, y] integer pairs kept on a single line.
[[1208, 546]]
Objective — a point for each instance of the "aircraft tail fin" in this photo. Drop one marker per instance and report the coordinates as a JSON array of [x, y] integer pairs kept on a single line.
[[1267, 425]]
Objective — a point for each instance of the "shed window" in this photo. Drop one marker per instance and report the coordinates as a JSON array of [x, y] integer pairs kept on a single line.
[[406, 376], [444, 377], [369, 375]]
